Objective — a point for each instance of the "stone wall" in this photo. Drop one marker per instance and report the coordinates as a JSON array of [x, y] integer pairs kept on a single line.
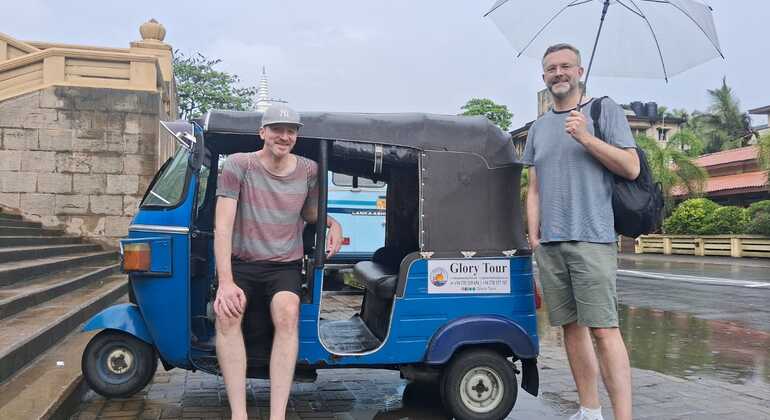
[[79, 158]]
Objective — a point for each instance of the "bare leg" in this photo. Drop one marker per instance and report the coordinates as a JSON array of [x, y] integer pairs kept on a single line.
[[231, 353], [582, 362], [284, 309], [615, 368]]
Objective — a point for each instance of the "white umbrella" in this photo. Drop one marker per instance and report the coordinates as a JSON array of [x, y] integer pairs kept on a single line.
[[639, 38]]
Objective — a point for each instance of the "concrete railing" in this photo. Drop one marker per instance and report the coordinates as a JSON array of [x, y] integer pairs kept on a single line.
[[707, 245], [80, 68]]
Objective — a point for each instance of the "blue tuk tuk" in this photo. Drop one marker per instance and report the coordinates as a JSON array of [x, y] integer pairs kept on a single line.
[[449, 299]]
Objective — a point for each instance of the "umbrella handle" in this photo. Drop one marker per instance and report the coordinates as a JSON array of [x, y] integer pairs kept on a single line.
[[593, 53]]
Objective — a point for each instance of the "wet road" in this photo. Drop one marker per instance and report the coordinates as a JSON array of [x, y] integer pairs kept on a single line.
[[696, 320]]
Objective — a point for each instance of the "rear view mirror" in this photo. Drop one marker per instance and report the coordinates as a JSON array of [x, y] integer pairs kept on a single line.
[[187, 140], [182, 132]]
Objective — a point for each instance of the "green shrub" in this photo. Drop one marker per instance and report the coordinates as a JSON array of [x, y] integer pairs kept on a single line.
[[690, 217], [759, 207], [759, 218], [725, 221]]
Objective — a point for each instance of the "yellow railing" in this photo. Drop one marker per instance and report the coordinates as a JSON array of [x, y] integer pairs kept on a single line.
[[710, 245]]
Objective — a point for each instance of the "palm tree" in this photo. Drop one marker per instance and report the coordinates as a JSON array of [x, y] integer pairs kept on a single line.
[[671, 166], [764, 155], [724, 126], [688, 142]]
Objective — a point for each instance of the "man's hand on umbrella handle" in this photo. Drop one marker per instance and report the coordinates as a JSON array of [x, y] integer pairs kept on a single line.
[[576, 126]]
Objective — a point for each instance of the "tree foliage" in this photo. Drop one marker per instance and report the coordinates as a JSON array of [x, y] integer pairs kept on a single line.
[[764, 155], [759, 218], [496, 113], [724, 126], [201, 88], [688, 142], [673, 167]]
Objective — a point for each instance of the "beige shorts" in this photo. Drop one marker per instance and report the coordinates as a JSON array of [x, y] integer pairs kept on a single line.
[[578, 280]]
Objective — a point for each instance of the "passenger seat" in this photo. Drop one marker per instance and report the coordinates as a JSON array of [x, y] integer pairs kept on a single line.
[[380, 277]]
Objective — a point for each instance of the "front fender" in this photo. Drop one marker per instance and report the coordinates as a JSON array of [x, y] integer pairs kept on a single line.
[[124, 317], [473, 330]]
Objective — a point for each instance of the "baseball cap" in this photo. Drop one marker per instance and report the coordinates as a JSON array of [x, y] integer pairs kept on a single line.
[[280, 114]]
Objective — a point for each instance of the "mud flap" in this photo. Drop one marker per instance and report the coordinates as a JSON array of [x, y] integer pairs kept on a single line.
[[530, 378]]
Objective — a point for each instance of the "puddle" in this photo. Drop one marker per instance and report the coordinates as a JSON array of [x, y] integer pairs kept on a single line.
[[681, 345]]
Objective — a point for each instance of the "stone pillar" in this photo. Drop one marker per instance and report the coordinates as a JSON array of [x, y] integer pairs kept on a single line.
[[700, 247], [667, 248], [153, 34], [736, 247]]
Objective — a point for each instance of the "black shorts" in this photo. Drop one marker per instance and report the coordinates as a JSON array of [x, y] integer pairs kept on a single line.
[[260, 281]]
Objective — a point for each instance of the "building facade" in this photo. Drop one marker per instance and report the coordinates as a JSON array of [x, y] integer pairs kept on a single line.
[[79, 133], [735, 178]]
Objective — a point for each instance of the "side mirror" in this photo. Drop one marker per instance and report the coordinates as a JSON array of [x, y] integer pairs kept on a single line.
[[187, 140]]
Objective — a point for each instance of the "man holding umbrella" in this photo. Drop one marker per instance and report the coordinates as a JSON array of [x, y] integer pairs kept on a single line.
[[571, 171], [571, 230]]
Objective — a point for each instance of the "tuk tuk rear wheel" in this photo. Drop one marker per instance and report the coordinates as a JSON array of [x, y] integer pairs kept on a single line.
[[479, 384], [116, 364]]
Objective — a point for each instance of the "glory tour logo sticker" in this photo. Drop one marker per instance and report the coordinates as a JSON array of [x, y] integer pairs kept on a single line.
[[469, 276], [439, 276]]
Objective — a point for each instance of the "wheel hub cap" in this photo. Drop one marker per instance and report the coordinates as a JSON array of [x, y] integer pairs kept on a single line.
[[119, 361], [481, 390]]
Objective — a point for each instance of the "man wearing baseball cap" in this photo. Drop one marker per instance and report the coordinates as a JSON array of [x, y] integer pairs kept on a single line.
[[264, 200]]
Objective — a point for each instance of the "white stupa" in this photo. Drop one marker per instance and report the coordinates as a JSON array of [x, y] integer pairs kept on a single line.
[[263, 94]]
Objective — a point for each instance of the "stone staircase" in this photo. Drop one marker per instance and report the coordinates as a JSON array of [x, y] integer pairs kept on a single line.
[[49, 285]]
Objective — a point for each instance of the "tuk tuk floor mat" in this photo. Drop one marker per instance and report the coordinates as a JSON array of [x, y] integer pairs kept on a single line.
[[347, 336]]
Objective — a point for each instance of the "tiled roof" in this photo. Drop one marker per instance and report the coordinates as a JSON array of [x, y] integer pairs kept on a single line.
[[729, 182], [728, 156]]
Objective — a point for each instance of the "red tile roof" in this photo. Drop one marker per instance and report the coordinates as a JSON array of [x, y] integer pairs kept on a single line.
[[728, 156], [729, 182]]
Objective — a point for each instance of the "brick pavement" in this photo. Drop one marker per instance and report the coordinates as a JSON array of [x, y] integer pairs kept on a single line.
[[379, 394]]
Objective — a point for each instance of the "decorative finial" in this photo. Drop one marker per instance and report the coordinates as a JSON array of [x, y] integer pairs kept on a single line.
[[152, 31]]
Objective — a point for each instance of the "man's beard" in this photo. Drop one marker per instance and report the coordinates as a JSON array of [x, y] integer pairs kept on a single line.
[[562, 94]]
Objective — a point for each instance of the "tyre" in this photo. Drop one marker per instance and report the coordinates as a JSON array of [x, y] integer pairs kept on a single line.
[[116, 364], [479, 384]]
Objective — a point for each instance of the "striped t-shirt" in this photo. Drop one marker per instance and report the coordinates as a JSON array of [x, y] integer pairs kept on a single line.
[[268, 224]]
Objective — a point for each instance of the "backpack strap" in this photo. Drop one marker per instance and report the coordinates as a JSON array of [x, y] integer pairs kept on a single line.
[[596, 113]]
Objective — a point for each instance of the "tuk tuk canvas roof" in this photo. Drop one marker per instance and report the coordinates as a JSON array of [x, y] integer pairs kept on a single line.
[[475, 135]]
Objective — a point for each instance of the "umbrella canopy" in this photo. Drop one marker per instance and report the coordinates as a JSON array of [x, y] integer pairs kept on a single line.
[[642, 38]]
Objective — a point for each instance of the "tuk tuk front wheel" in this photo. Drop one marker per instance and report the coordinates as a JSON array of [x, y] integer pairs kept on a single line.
[[116, 364], [479, 384]]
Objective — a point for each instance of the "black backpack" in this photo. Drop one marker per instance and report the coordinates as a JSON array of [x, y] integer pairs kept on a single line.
[[637, 204]]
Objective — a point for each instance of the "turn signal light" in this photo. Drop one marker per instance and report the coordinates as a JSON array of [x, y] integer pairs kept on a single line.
[[381, 203], [136, 257], [346, 240]]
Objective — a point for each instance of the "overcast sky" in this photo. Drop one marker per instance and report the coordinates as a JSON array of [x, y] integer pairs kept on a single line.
[[386, 55]]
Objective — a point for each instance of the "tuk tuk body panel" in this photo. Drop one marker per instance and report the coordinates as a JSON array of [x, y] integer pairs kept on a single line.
[[164, 301], [125, 317], [480, 329], [419, 316]]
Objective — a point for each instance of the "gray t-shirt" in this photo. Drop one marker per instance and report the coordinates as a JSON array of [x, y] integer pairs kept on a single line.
[[575, 188]]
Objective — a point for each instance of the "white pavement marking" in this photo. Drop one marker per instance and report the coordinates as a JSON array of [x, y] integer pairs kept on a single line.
[[693, 279]]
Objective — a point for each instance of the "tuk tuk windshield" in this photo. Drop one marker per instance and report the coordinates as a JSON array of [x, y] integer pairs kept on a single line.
[[169, 184]]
